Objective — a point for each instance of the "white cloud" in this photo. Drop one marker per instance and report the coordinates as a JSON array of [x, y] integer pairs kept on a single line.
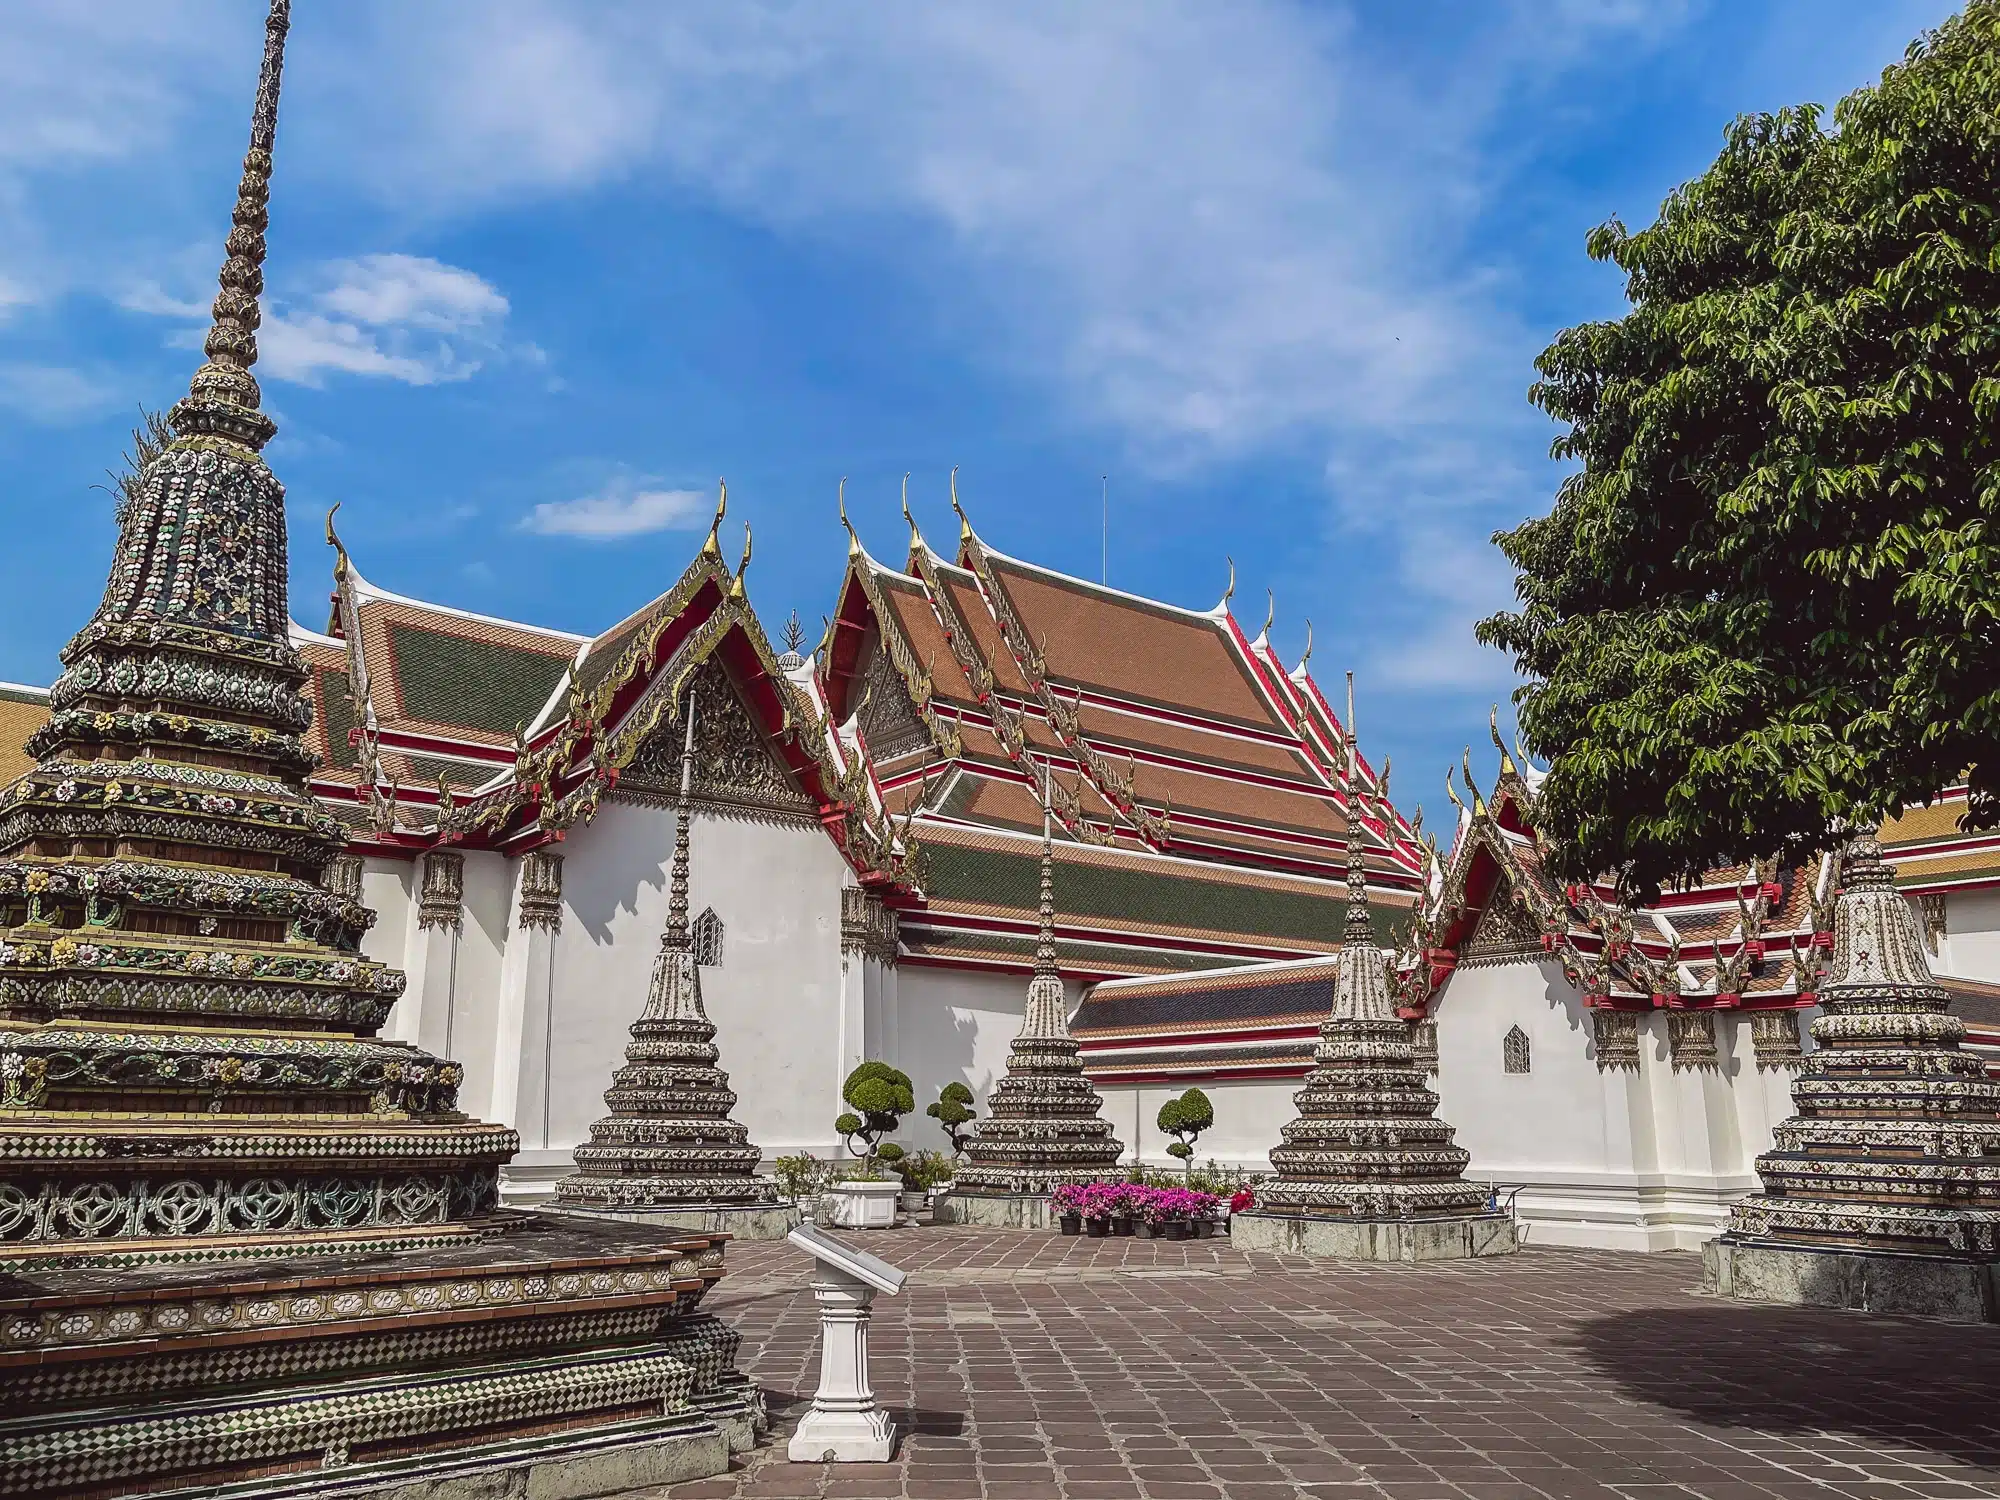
[[52, 394], [623, 508]]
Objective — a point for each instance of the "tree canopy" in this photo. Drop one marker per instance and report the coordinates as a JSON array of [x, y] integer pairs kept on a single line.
[[878, 1097], [1767, 601], [953, 1112]]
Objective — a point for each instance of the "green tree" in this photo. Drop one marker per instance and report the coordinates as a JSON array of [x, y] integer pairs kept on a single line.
[[878, 1097], [1185, 1119], [953, 1112], [1768, 598]]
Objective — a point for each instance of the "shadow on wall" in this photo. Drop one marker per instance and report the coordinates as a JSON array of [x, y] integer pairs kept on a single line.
[[623, 848], [1803, 1371]]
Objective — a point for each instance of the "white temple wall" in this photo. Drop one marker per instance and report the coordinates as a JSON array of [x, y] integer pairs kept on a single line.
[[1970, 945], [1646, 1160], [388, 888], [774, 998], [1248, 1116], [954, 1026], [474, 1014]]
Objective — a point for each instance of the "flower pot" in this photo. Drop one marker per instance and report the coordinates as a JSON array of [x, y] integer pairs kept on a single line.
[[1122, 1227], [1096, 1229], [1204, 1229], [1176, 1229], [1145, 1229], [862, 1204], [912, 1200], [1070, 1223]]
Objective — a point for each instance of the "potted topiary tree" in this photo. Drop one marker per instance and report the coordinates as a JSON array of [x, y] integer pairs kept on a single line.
[[877, 1096], [1185, 1119], [953, 1112]]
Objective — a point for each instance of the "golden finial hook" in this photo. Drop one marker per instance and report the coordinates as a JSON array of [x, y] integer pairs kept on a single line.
[[853, 539], [1507, 767], [746, 550], [954, 496], [916, 536], [714, 543], [1230, 592], [1451, 790], [1307, 656], [1270, 609], [1478, 802]]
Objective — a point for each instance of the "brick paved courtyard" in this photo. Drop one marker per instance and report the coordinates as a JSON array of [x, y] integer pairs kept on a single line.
[[1031, 1366]]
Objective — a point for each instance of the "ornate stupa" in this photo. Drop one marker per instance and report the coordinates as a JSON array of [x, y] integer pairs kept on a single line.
[[1883, 1193], [1367, 1171], [240, 1236], [1044, 1126], [669, 1153]]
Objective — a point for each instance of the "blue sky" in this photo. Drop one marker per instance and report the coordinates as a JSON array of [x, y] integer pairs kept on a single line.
[[540, 272]]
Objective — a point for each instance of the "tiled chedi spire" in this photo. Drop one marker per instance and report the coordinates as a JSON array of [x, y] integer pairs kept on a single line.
[[669, 1141], [187, 1027], [1896, 1144], [1366, 1144], [1043, 1127]]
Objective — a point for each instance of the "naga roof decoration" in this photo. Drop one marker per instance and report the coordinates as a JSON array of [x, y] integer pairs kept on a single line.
[[1750, 936], [581, 710]]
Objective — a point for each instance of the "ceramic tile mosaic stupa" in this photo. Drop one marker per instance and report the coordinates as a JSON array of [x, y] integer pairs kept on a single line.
[[1883, 1193], [669, 1153], [241, 1237], [1367, 1171], [1044, 1126]]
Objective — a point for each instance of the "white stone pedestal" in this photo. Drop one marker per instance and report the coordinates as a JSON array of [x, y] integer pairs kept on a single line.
[[846, 1424]]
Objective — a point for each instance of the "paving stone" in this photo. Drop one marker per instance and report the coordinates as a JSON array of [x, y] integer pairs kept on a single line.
[[1028, 1366]]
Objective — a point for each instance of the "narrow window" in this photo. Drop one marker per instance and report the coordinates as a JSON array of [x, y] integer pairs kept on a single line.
[[1514, 1051], [707, 939]]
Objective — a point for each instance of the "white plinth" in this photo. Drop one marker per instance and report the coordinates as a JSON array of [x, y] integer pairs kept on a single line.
[[846, 1424], [866, 1205]]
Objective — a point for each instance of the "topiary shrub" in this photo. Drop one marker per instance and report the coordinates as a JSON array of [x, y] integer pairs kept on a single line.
[[1185, 1119], [878, 1096], [953, 1112]]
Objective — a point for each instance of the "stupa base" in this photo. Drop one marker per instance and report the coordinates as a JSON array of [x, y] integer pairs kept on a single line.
[[994, 1210], [554, 1358], [740, 1221], [1917, 1286], [1464, 1237]]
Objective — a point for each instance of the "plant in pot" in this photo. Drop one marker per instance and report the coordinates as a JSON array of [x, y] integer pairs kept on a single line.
[[1185, 1119], [1125, 1200], [953, 1112], [920, 1171], [1066, 1204], [1095, 1204], [801, 1177], [877, 1096]]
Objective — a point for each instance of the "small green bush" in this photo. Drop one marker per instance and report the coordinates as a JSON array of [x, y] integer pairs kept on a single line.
[[1185, 1119], [878, 1096], [953, 1112]]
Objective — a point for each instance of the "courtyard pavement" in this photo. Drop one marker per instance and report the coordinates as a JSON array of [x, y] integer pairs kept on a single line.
[[1026, 1366]]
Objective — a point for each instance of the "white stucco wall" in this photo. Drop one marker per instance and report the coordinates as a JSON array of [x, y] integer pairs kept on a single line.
[[954, 1026], [1248, 1117], [1971, 944], [1648, 1160], [774, 999]]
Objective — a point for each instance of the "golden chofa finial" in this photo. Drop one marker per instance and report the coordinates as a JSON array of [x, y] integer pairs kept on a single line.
[[1270, 610], [743, 567], [1465, 766], [333, 541], [964, 521], [1306, 657], [1451, 791], [853, 540], [1230, 592], [916, 536], [713, 546], [1507, 766]]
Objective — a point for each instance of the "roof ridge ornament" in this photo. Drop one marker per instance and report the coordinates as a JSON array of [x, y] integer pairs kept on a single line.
[[1270, 613], [223, 398], [1307, 656], [713, 546], [736, 584], [916, 536], [1507, 766], [853, 537], [1222, 605], [964, 521]]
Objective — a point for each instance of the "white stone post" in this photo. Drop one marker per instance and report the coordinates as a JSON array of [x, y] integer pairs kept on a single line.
[[847, 1423]]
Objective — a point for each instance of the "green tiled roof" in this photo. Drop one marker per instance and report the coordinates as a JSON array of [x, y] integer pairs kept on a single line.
[[1138, 895], [604, 654], [456, 773], [340, 720], [449, 679], [36, 696], [1069, 955]]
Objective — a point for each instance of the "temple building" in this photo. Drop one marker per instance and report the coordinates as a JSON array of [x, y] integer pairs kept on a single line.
[[866, 838]]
